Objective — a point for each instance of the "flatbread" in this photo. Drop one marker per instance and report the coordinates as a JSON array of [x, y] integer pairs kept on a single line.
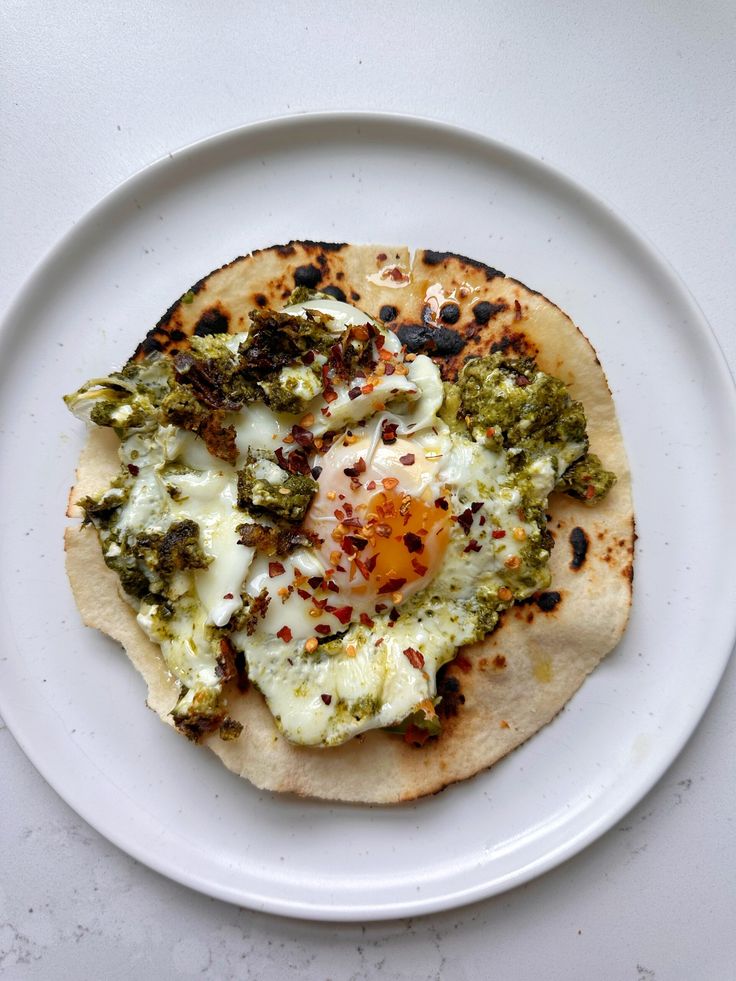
[[515, 681]]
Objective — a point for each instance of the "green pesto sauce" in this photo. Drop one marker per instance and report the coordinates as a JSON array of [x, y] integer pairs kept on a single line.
[[282, 394], [530, 408], [587, 480], [289, 500], [512, 404]]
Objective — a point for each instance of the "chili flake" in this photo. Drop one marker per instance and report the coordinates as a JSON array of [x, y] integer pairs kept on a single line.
[[413, 542], [414, 657]]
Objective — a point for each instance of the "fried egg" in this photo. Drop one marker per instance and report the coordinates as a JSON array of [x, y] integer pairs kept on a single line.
[[412, 527]]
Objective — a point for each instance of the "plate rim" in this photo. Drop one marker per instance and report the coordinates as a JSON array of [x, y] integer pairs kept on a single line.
[[726, 386]]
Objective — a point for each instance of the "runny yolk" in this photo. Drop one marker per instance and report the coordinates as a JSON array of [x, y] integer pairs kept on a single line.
[[408, 538]]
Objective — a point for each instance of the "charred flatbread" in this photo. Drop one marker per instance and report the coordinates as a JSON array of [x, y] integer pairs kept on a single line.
[[496, 692]]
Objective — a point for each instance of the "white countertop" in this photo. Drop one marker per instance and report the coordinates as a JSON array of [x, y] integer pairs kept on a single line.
[[636, 104]]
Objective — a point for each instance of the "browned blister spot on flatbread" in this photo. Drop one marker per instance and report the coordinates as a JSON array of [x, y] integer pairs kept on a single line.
[[498, 692]]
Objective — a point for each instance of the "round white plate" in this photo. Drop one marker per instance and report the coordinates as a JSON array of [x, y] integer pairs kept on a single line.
[[76, 705]]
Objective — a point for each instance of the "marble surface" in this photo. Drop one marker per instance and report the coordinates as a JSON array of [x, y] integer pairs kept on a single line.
[[636, 102]]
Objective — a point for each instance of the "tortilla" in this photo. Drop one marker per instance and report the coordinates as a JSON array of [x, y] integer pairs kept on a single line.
[[497, 693]]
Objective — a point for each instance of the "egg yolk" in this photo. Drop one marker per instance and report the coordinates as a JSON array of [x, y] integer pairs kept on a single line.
[[384, 525], [407, 539]]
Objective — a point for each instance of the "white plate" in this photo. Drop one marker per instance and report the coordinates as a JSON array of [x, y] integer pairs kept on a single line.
[[77, 707]]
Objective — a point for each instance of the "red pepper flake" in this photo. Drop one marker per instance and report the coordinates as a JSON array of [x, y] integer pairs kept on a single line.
[[390, 368], [284, 634], [323, 629], [304, 594], [295, 462], [380, 607], [315, 582], [521, 380], [498, 533], [275, 569], [358, 542], [362, 567], [316, 471], [354, 393], [392, 586], [333, 587], [336, 357], [133, 469], [228, 596], [590, 491], [326, 699], [329, 395], [388, 432], [441, 503], [476, 506], [308, 358], [371, 485], [366, 620], [421, 570], [304, 437], [413, 542], [415, 657], [343, 614], [407, 459], [393, 615], [366, 389], [353, 522], [465, 520], [482, 520], [357, 469], [472, 546], [370, 563]]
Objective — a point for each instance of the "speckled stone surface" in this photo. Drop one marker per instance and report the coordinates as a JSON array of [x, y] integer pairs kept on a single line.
[[635, 103]]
